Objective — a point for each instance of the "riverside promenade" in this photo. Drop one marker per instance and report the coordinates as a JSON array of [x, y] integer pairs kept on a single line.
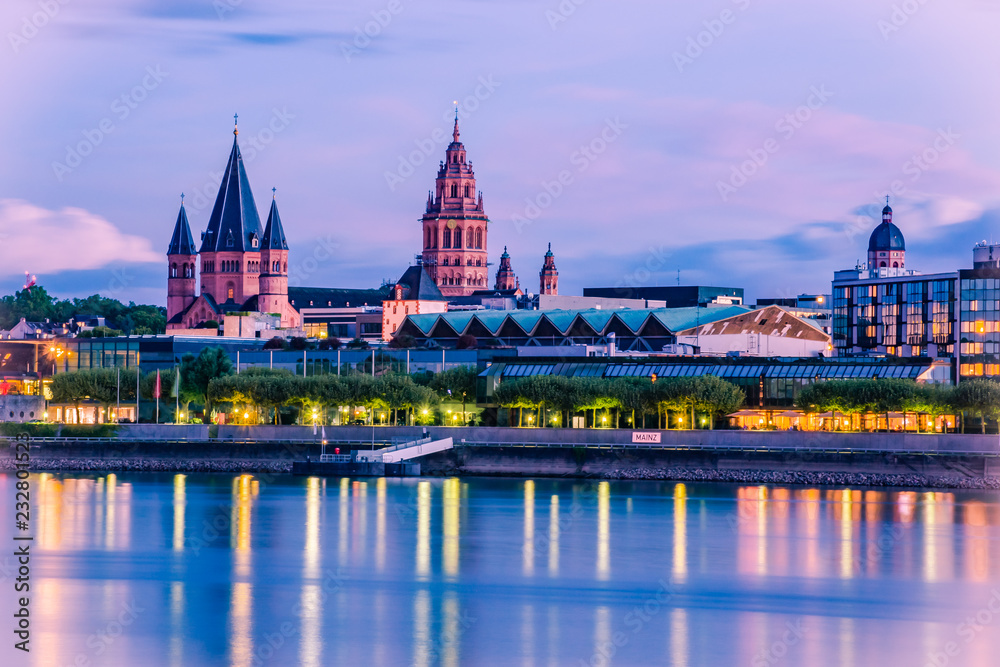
[[806, 457]]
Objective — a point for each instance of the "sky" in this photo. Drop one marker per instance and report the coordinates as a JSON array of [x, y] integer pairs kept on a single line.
[[745, 143]]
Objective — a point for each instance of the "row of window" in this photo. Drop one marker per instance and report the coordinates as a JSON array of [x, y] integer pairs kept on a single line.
[[457, 261], [186, 270], [233, 266], [453, 238], [459, 280]]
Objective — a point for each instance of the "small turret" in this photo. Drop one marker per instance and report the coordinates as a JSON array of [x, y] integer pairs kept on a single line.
[[181, 259], [549, 275]]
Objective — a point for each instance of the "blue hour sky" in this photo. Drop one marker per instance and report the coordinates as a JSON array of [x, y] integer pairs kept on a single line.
[[741, 142]]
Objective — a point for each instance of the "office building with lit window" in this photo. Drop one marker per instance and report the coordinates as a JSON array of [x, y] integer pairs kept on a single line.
[[884, 309]]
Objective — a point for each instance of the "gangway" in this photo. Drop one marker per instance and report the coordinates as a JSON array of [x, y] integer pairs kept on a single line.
[[411, 450]]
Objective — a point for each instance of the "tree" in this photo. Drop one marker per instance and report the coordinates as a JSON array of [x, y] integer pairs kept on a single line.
[[980, 397], [716, 397], [357, 344], [329, 344], [198, 372], [276, 343], [466, 342], [402, 342]]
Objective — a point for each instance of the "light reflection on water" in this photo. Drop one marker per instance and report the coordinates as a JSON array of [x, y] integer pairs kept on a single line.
[[249, 569]]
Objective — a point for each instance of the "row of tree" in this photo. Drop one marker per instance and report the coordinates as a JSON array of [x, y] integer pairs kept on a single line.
[[978, 397], [639, 397], [36, 305]]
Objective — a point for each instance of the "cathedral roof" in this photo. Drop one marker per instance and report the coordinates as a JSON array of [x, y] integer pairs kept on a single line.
[[886, 237], [181, 243], [234, 225], [274, 235], [418, 286]]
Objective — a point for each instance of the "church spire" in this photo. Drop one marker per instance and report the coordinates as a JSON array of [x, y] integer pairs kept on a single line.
[[455, 133], [234, 225], [181, 242]]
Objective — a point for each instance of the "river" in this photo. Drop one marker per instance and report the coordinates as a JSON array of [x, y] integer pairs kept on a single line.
[[213, 569]]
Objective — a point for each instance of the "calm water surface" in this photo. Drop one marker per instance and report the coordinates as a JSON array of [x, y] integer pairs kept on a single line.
[[174, 570]]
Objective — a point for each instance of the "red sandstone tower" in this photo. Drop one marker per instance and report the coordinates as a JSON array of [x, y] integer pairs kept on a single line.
[[230, 247], [506, 280], [181, 262], [455, 226], [549, 275], [273, 263]]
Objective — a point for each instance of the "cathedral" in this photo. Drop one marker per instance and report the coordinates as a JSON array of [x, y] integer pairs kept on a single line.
[[455, 230], [243, 267]]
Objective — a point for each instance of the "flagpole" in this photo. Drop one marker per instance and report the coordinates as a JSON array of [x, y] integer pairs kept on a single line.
[[137, 386], [177, 394], [118, 407], [156, 395]]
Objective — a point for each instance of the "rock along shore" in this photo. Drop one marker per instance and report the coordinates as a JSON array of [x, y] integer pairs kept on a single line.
[[735, 476]]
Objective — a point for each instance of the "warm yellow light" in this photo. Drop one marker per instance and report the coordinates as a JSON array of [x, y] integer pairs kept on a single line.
[[381, 416], [680, 419], [246, 415], [424, 412], [604, 419], [980, 326], [820, 299]]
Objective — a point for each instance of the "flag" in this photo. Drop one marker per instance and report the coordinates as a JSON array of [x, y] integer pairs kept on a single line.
[[177, 382], [156, 390]]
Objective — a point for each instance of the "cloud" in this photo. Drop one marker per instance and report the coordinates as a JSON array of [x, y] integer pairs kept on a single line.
[[41, 241]]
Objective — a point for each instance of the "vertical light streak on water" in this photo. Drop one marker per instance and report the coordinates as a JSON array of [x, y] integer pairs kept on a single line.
[[343, 526], [423, 553], [241, 599], [359, 521], [603, 531], [847, 647], [553, 635], [929, 539], [778, 549], [177, 603], [528, 550], [380, 525], [680, 533], [422, 625], [49, 511], [451, 632], [679, 654], [905, 512], [761, 530], [554, 536], [876, 535], [99, 495], [846, 535], [528, 635], [977, 543], [110, 497], [602, 636], [451, 507], [180, 501], [311, 642]]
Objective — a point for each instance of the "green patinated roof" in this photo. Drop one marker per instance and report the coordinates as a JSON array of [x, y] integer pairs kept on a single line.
[[598, 319], [679, 319], [526, 319], [424, 322]]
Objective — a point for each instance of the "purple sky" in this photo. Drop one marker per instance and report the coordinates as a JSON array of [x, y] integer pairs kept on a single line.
[[657, 192]]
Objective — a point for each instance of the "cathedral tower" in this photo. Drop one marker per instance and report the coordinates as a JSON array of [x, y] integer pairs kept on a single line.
[[273, 296], [886, 246], [549, 275], [230, 247], [455, 226], [506, 280], [181, 261]]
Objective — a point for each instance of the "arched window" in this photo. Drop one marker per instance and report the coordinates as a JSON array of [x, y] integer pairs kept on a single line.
[[882, 265], [444, 262], [434, 236], [458, 238], [230, 291], [468, 191], [895, 265], [479, 238], [479, 262], [447, 239], [286, 267], [173, 270], [454, 190], [470, 237]]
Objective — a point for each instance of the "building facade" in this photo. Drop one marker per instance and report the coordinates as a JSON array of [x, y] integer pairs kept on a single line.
[[455, 226], [242, 266]]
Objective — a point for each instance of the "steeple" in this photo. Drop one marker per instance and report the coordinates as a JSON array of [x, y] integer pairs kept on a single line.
[[274, 235], [548, 277], [234, 225], [181, 242], [454, 134], [506, 280]]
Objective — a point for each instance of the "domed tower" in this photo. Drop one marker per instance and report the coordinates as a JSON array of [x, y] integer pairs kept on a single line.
[[549, 275], [455, 226], [181, 259], [506, 280], [273, 263], [886, 247]]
